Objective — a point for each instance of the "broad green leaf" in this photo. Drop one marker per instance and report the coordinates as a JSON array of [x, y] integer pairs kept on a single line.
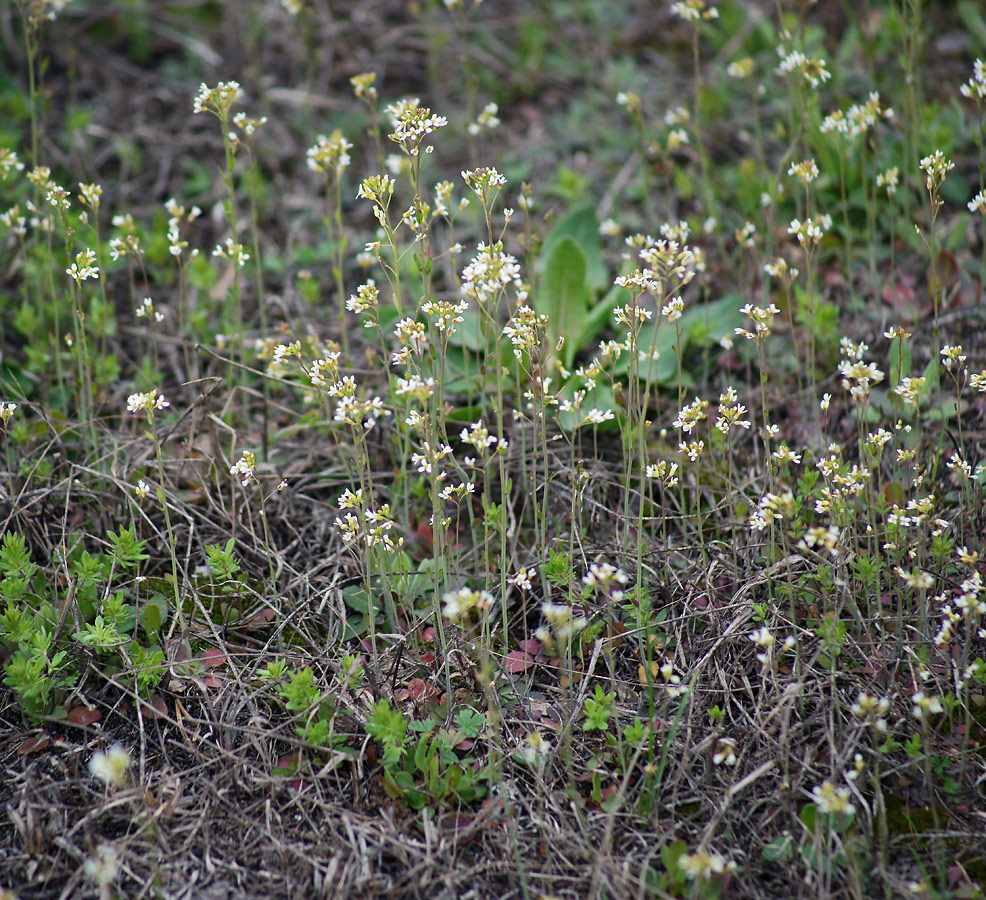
[[564, 297], [900, 361], [708, 323], [582, 226]]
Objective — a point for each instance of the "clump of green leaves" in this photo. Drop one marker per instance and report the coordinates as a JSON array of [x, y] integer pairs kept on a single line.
[[427, 770], [117, 625]]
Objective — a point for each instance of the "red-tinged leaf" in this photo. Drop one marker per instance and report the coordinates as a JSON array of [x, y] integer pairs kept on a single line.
[[33, 745], [402, 694], [83, 716], [518, 661], [157, 709], [467, 744], [212, 658], [423, 534], [212, 681], [288, 761], [903, 300], [428, 634], [298, 785], [948, 268], [531, 647], [418, 689], [551, 724], [427, 659], [262, 617]]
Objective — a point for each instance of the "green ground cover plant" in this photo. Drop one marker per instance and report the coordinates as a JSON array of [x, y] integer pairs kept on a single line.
[[492, 449]]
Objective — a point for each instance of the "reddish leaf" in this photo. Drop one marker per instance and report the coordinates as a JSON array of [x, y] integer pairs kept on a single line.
[[33, 745], [418, 689], [262, 617], [518, 661], [83, 716], [467, 744], [157, 709], [212, 658], [531, 647], [288, 761]]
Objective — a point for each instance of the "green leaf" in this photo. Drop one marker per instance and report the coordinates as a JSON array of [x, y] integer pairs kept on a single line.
[[564, 296], [154, 614], [582, 226], [900, 361], [470, 722], [971, 15], [779, 850], [707, 324]]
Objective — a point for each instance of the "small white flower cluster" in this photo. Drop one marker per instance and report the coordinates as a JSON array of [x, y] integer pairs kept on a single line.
[[218, 99], [704, 865], [486, 119], [724, 753], [462, 604], [84, 267], [858, 119], [9, 162], [694, 10], [125, 245], [731, 412], [479, 436], [245, 467], [857, 377], [665, 473], [329, 155], [925, 704], [562, 626], [968, 606], [366, 526], [935, 167], [523, 579], [606, 579], [490, 272], [146, 402], [111, 767], [833, 800], [7, 409], [806, 170], [811, 230], [445, 313], [975, 87], [872, 709], [147, 310], [233, 251], [764, 639], [780, 269], [176, 213], [427, 461], [366, 299], [762, 317], [813, 71], [771, 507], [412, 123], [522, 329], [889, 179]]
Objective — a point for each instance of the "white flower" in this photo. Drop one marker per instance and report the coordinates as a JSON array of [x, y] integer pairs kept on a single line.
[[113, 766]]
